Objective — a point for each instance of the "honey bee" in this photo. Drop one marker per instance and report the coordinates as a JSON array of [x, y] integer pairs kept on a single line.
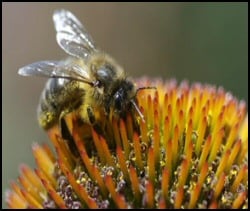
[[87, 82]]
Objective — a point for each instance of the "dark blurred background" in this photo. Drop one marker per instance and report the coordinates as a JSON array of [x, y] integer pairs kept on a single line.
[[205, 42]]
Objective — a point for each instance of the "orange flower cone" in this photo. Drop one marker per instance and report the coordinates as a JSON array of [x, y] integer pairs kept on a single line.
[[190, 150]]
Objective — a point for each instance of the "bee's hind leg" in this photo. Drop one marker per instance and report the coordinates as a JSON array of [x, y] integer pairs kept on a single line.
[[93, 121], [91, 115], [66, 135]]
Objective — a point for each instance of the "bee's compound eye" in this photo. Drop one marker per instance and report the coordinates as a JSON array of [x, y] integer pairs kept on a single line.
[[105, 73], [118, 102]]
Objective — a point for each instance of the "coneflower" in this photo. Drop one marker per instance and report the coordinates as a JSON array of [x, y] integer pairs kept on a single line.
[[190, 150]]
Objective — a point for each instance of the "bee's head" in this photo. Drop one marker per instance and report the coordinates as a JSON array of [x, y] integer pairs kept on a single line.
[[124, 97], [121, 97]]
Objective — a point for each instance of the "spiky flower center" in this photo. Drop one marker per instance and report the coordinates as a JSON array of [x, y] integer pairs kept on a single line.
[[189, 151]]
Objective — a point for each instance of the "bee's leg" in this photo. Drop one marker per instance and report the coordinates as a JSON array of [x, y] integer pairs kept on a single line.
[[91, 115], [92, 120], [67, 136]]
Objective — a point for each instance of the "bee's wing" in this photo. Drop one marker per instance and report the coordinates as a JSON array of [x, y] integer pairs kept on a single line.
[[56, 69], [71, 34]]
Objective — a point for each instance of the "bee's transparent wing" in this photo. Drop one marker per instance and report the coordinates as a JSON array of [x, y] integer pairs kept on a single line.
[[56, 69], [71, 34]]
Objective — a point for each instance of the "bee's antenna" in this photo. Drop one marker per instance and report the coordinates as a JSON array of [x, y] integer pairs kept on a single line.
[[137, 109], [144, 87], [134, 104]]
